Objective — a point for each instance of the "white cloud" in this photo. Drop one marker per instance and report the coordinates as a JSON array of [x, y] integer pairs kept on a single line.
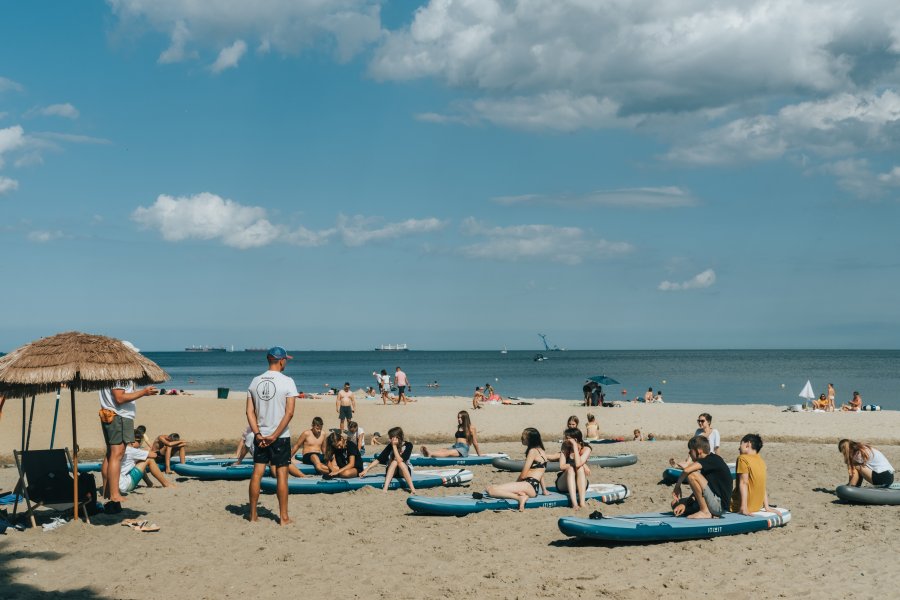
[[645, 55], [229, 57], [69, 138], [8, 85], [64, 110], [11, 138], [839, 125], [206, 216], [567, 245], [287, 26], [8, 185], [647, 197], [856, 175], [698, 281], [359, 230], [42, 237]]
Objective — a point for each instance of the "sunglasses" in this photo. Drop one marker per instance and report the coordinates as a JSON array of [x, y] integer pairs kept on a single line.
[[701, 420]]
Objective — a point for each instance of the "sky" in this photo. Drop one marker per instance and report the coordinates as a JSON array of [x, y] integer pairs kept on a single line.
[[451, 174]]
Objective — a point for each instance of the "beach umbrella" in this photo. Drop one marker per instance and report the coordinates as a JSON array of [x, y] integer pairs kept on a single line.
[[603, 380], [80, 361], [807, 391]]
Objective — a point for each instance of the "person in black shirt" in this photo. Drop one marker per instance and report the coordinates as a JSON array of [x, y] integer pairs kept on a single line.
[[395, 457], [710, 481], [342, 457]]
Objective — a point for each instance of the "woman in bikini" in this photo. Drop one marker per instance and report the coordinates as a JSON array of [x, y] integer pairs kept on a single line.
[[530, 482], [573, 468], [465, 438]]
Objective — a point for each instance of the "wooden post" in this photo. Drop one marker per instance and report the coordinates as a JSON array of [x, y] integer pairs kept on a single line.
[[74, 453]]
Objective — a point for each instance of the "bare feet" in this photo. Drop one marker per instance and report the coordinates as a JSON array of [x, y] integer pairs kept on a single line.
[[701, 515], [285, 521], [170, 485], [521, 504]]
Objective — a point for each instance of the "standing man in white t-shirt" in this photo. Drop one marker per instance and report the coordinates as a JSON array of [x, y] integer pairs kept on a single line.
[[270, 407], [117, 420]]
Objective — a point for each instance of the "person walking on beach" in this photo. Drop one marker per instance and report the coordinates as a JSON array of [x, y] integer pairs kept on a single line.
[[384, 380], [117, 420], [270, 407], [710, 481], [402, 383], [345, 405], [750, 493]]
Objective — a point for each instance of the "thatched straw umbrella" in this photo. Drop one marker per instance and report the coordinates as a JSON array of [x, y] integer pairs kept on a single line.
[[81, 361]]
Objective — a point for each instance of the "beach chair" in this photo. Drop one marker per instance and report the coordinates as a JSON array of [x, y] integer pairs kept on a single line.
[[45, 480]]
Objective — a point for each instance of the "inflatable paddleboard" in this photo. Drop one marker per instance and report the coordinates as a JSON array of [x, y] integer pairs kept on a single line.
[[418, 460], [88, 467], [618, 460], [869, 495], [421, 479], [464, 504], [666, 527], [672, 474], [225, 470]]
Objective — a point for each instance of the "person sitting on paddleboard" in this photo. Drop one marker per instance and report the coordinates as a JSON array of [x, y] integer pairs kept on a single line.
[[465, 438], [710, 481], [530, 482]]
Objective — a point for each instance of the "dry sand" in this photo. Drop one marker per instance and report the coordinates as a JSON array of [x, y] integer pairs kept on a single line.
[[367, 544]]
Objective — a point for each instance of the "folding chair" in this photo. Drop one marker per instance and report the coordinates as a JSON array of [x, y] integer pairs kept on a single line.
[[45, 480]]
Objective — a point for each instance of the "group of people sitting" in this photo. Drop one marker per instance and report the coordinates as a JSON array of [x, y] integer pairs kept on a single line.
[[144, 456], [825, 402]]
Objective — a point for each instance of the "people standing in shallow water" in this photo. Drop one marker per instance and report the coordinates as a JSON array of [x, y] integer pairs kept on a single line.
[[530, 482], [466, 437], [573, 468], [866, 463]]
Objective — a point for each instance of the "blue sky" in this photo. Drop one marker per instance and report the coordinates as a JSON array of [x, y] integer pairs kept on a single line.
[[451, 174]]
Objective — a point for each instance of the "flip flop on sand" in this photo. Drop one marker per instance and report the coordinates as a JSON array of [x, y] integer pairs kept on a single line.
[[144, 526]]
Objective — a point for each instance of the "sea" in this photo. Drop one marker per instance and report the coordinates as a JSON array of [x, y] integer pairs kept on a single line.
[[689, 376]]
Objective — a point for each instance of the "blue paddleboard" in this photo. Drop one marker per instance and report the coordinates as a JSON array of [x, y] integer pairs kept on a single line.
[[617, 460], [225, 470], [421, 479], [464, 504], [665, 527]]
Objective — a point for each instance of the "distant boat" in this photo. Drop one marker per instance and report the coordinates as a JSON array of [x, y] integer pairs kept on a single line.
[[205, 349], [503, 351], [540, 358], [256, 349], [392, 348]]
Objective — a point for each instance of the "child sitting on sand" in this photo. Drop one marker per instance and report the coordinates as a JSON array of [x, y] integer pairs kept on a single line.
[[637, 436], [592, 428]]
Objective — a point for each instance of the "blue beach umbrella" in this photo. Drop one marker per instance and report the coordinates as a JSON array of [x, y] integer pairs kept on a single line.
[[603, 380]]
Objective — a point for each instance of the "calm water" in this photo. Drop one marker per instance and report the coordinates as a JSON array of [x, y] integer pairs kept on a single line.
[[703, 376]]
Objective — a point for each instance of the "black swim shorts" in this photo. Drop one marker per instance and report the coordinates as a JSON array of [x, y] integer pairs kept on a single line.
[[278, 454]]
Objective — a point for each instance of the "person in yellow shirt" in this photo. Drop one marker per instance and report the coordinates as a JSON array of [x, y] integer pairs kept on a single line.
[[750, 494]]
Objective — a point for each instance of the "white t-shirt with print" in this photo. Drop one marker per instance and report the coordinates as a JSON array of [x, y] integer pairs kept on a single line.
[[132, 455], [270, 392], [107, 401]]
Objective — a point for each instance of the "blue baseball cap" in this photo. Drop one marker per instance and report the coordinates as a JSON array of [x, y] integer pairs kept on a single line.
[[278, 353]]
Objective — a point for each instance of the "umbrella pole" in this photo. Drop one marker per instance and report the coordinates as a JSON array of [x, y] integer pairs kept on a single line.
[[22, 447], [30, 421], [74, 456], [55, 414]]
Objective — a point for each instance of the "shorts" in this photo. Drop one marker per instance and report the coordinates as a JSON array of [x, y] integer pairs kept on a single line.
[[463, 449], [131, 480], [119, 431], [345, 412], [712, 502], [883, 479], [307, 458], [401, 389], [278, 454]]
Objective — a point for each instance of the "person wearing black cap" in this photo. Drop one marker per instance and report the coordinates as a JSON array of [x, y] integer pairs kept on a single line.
[[270, 407]]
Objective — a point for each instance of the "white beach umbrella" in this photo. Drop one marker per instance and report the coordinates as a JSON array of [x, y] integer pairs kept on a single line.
[[807, 391]]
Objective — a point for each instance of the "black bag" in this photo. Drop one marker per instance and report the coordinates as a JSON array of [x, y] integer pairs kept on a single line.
[[87, 489]]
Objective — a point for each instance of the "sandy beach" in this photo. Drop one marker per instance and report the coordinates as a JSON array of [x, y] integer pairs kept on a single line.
[[367, 544]]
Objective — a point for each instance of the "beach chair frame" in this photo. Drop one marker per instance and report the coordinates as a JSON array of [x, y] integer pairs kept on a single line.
[[39, 466]]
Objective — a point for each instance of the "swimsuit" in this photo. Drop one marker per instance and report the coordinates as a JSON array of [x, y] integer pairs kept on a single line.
[[307, 458], [533, 482]]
